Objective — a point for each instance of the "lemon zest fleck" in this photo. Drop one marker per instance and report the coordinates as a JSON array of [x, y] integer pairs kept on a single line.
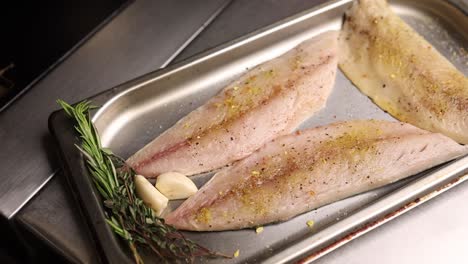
[[259, 229]]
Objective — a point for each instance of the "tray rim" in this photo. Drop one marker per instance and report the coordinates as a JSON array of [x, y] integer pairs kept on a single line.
[[128, 86], [65, 137], [107, 97], [109, 249]]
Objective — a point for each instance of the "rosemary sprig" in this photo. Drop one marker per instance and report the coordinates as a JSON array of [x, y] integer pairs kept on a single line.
[[126, 214]]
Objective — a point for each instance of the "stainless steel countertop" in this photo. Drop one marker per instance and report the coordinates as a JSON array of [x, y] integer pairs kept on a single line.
[[432, 233], [144, 37]]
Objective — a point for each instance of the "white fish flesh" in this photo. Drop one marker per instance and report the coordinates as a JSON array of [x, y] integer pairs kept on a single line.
[[296, 173], [401, 72], [270, 100]]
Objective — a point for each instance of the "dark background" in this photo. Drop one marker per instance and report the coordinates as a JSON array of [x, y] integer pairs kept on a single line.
[[37, 34]]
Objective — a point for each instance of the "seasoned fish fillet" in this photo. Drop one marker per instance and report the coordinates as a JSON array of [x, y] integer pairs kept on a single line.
[[402, 72], [270, 100], [305, 170]]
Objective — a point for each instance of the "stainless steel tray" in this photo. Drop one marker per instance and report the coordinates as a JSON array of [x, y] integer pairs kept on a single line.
[[135, 112]]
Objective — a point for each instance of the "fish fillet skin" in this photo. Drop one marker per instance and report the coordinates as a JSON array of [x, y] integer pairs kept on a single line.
[[299, 172], [401, 72], [270, 100]]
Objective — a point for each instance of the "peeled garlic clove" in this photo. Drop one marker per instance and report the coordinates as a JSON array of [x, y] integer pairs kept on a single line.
[[150, 195], [175, 185]]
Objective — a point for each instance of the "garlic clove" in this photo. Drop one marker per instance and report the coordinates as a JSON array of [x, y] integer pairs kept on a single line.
[[175, 185], [150, 195]]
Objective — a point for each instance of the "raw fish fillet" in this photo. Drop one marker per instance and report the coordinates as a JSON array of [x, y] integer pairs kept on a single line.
[[270, 100], [296, 173], [402, 72]]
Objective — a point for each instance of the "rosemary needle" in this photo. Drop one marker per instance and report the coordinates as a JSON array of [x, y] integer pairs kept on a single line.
[[126, 214]]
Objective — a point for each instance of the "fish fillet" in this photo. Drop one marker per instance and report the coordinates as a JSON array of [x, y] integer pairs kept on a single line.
[[270, 100], [296, 173], [401, 72]]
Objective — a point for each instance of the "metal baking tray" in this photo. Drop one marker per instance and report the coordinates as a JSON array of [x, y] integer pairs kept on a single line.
[[134, 113]]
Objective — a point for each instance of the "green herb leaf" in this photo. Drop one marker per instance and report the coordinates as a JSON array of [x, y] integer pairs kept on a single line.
[[126, 214]]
